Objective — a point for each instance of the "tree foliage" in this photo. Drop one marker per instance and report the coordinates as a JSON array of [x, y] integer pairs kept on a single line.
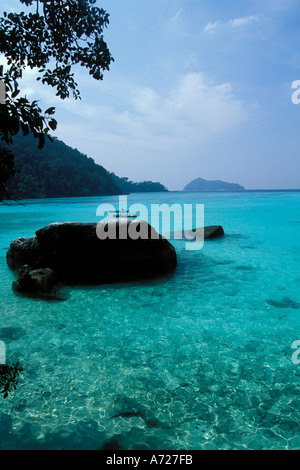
[[57, 170], [7, 172], [54, 37], [128, 186], [8, 378]]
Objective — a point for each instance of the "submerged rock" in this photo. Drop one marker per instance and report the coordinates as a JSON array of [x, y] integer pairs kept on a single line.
[[12, 333], [208, 232], [75, 253], [41, 282], [286, 302], [112, 444]]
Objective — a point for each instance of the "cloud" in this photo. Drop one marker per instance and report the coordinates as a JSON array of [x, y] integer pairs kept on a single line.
[[189, 114], [192, 109], [233, 23], [243, 21], [211, 26], [141, 131], [175, 17]]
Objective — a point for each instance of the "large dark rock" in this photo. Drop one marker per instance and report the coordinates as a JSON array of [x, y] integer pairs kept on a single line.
[[76, 254]]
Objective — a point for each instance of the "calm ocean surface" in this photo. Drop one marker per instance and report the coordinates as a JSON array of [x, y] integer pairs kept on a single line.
[[201, 359]]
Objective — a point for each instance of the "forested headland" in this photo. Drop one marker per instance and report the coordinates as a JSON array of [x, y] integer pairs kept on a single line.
[[58, 170], [128, 186]]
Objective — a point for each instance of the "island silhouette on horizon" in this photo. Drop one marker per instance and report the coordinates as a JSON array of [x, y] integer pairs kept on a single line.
[[200, 184]]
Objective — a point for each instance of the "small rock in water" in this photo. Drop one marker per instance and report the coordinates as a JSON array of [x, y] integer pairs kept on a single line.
[[36, 281]]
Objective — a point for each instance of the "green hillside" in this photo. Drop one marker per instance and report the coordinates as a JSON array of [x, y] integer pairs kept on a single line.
[[57, 171]]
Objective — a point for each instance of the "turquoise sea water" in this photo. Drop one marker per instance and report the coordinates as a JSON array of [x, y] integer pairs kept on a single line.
[[201, 359]]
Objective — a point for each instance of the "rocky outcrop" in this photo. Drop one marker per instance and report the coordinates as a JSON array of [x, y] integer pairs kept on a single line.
[[213, 231], [76, 254], [23, 251]]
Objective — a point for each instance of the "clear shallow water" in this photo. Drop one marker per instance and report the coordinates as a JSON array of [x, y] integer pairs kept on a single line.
[[201, 359]]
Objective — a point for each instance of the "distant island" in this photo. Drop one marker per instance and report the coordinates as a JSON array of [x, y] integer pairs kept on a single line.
[[200, 184], [58, 170]]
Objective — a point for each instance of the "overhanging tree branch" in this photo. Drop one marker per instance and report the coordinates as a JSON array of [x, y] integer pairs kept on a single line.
[[65, 33]]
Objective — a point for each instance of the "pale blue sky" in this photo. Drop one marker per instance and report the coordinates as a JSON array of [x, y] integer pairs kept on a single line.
[[199, 88]]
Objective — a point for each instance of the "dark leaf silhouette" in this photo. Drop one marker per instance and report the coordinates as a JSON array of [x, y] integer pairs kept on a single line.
[[55, 38], [8, 378]]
